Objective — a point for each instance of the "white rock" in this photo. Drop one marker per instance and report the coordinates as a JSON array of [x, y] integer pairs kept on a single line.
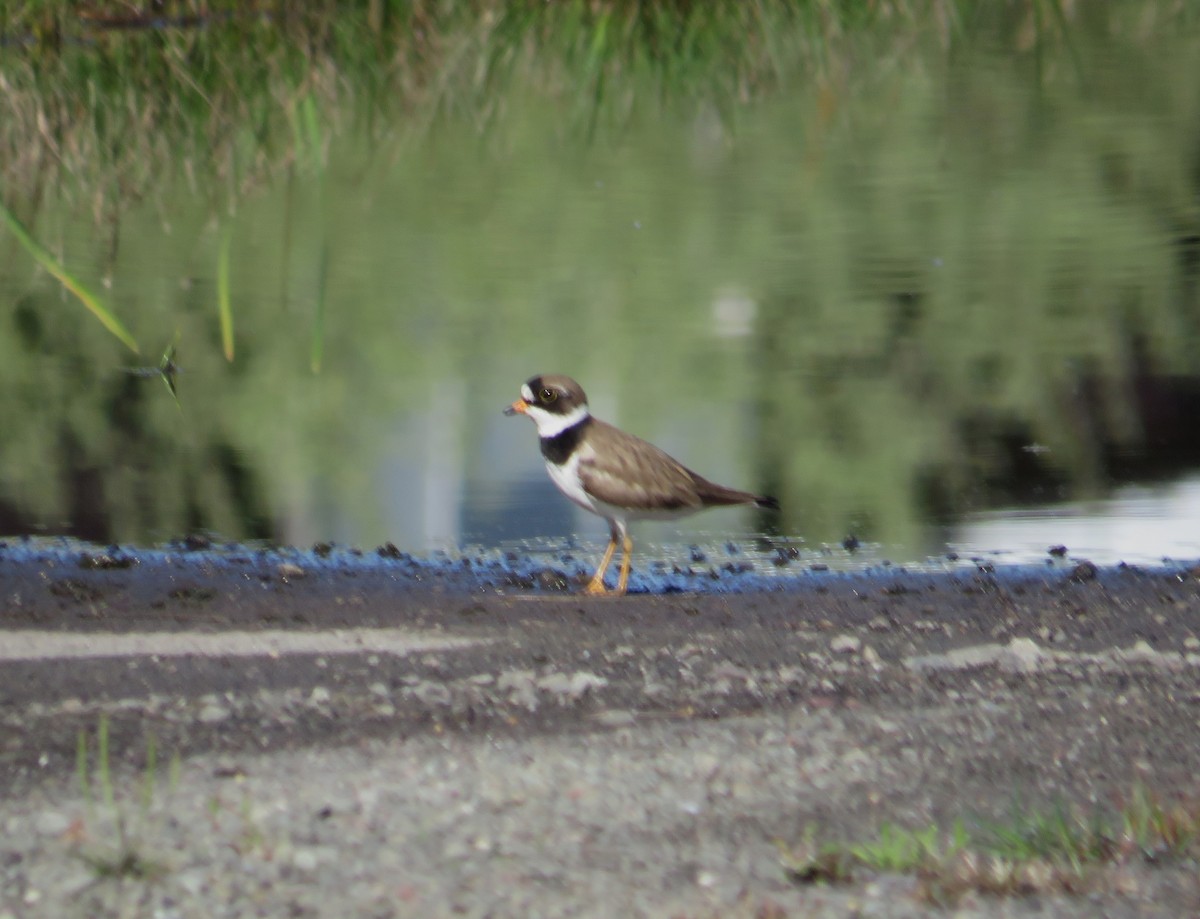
[[212, 712], [845, 644], [574, 685], [319, 696]]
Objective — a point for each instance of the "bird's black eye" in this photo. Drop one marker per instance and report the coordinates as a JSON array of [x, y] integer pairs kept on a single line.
[[547, 396]]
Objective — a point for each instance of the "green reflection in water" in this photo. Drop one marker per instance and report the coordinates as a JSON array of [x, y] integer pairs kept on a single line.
[[934, 289]]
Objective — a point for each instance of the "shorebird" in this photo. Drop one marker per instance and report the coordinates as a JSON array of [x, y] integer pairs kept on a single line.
[[613, 474]]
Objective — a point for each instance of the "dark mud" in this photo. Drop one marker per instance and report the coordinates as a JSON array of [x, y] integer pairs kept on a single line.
[[708, 654], [965, 688]]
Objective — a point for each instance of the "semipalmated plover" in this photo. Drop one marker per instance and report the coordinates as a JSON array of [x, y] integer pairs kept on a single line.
[[613, 474]]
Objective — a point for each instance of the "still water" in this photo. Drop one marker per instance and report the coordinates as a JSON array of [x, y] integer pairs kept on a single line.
[[938, 319]]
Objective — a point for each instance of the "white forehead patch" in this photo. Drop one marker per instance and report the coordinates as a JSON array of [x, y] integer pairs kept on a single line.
[[526, 392]]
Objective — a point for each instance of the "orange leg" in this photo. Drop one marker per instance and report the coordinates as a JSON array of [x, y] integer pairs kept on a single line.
[[626, 560], [596, 586]]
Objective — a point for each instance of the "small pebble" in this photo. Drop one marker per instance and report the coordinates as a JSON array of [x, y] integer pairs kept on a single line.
[[845, 644]]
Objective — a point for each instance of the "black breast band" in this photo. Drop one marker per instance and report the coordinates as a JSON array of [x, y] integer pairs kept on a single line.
[[558, 449]]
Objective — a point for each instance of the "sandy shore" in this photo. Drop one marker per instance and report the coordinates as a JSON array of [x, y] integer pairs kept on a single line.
[[401, 738]]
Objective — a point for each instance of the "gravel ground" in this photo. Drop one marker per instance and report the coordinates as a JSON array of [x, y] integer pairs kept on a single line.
[[360, 743]]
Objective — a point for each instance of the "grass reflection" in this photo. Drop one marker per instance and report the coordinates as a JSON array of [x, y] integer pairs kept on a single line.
[[889, 288]]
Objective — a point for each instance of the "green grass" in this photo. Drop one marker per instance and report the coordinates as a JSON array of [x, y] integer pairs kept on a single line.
[[898, 849], [1156, 828], [224, 300], [895, 849], [59, 271], [1053, 835], [108, 101], [1032, 851], [123, 855]]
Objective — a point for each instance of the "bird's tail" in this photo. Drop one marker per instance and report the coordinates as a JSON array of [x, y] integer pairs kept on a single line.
[[714, 495]]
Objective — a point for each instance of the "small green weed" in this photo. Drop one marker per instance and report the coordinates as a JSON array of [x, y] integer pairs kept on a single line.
[[1156, 829], [1055, 836], [896, 850], [123, 857], [1032, 851]]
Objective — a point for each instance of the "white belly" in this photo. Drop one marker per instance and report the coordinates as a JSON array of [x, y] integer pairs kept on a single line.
[[566, 478]]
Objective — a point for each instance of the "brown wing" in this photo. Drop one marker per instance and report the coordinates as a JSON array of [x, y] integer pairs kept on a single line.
[[636, 474]]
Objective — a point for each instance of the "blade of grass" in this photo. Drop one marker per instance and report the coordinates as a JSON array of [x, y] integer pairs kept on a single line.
[[71, 283], [224, 310], [174, 771], [148, 779], [102, 763], [81, 767], [312, 131], [318, 332]]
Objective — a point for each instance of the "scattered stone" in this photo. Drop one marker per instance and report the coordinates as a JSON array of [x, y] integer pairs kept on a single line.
[[431, 694], [389, 550], [1021, 655], [785, 555], [290, 572], [551, 579], [306, 859], [1057, 551], [1084, 571], [76, 590], [319, 696], [519, 581], [102, 561], [573, 686], [519, 684], [615, 718], [192, 594], [212, 710], [845, 644]]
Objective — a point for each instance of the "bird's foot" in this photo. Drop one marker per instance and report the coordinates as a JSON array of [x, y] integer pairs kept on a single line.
[[595, 589]]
